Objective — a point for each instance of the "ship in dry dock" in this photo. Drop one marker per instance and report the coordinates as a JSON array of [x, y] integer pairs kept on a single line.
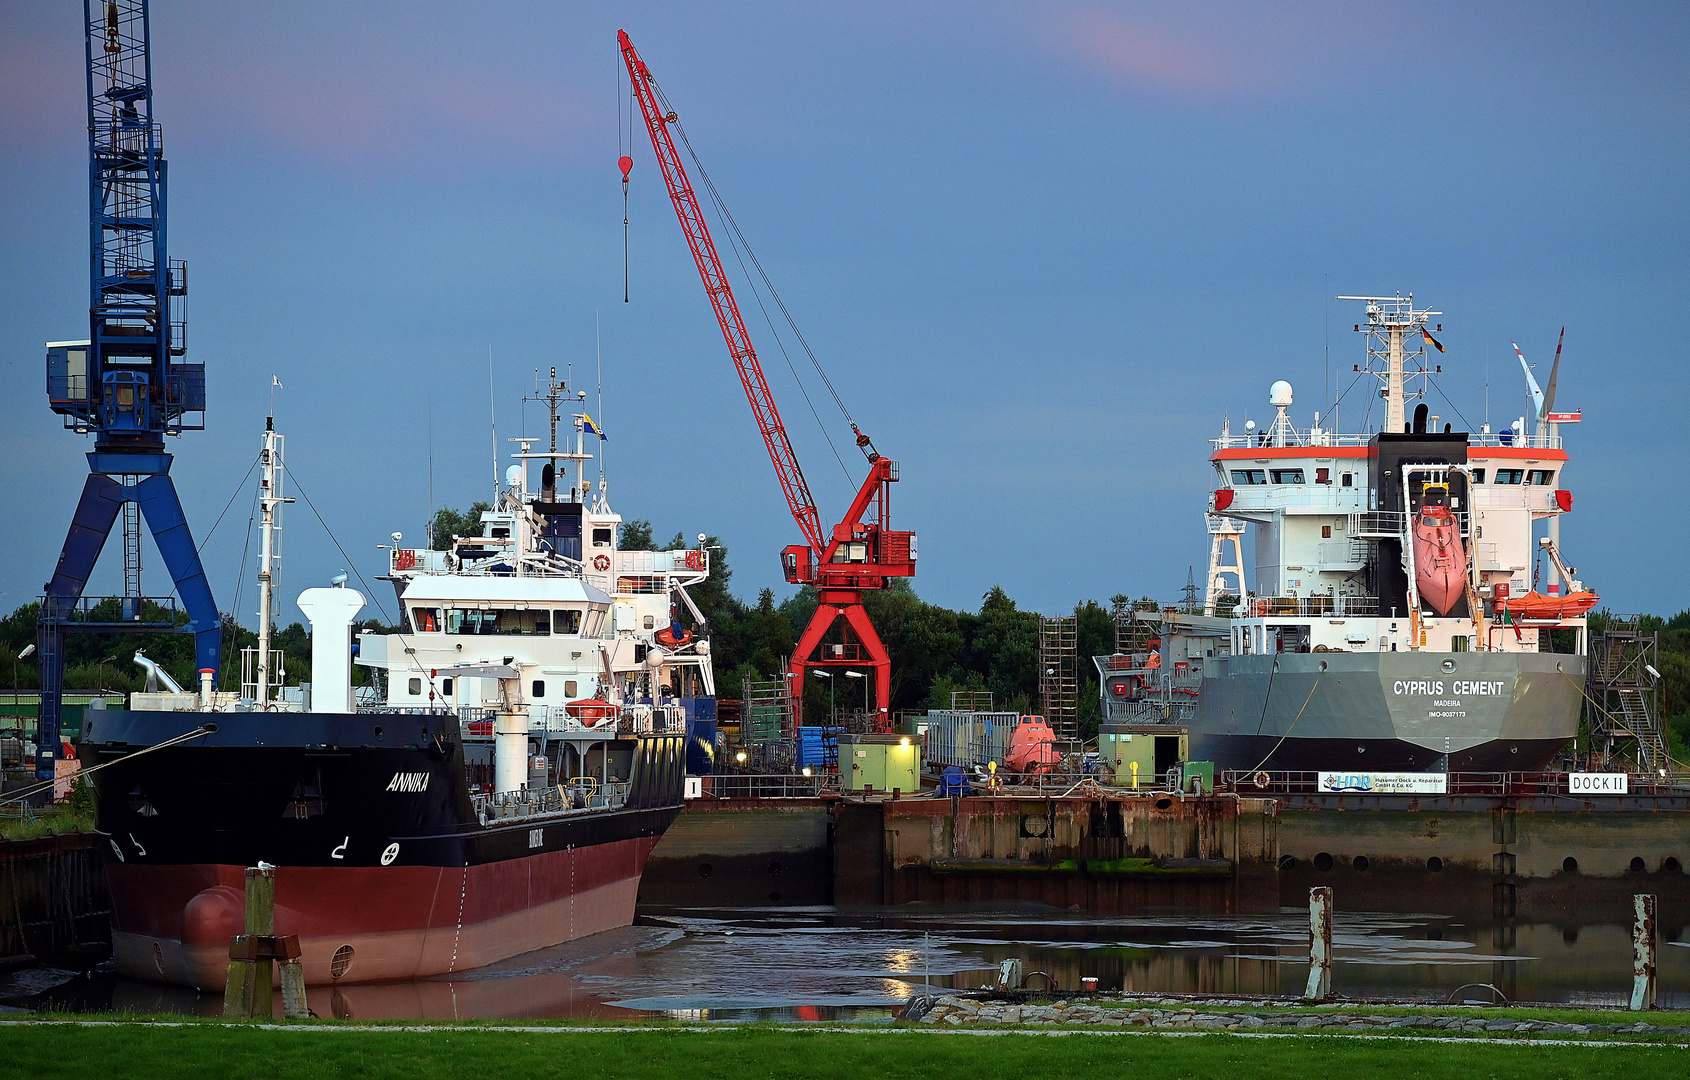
[[1392, 620]]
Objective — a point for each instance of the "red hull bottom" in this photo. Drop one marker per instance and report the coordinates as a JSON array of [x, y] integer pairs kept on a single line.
[[173, 923]]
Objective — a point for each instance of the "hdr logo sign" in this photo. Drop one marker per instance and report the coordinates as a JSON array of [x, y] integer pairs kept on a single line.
[[411, 782], [1598, 783]]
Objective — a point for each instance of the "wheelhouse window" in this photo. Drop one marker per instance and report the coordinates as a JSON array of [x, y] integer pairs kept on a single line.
[[1510, 476], [601, 537], [1541, 477], [566, 621], [1478, 476], [425, 620], [1248, 477], [526, 622], [1288, 476]]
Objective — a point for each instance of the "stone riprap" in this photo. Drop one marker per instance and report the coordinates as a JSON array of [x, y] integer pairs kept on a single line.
[[1167, 1014]]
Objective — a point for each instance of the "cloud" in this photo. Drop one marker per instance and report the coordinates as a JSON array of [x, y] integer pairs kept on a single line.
[[1213, 54]]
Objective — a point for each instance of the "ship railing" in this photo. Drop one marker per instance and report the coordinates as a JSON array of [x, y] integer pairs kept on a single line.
[[770, 785], [1317, 607], [1392, 524], [1318, 439], [1305, 782], [1287, 437], [534, 802]]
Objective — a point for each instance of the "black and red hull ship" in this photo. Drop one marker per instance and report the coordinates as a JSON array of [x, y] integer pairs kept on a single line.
[[389, 866]]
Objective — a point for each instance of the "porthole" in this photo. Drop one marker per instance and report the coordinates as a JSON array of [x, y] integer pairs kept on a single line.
[[1163, 804], [775, 868], [705, 870], [1670, 865], [1569, 865], [1323, 862], [342, 962], [1434, 864], [774, 898], [1637, 864], [1359, 863], [1288, 862]]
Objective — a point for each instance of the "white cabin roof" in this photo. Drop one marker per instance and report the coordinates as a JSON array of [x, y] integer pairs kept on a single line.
[[459, 589]]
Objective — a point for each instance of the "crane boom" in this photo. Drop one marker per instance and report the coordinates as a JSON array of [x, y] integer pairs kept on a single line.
[[792, 482], [857, 555]]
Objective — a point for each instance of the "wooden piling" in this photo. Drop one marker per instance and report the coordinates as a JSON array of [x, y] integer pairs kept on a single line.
[[1320, 945], [1643, 953], [253, 956]]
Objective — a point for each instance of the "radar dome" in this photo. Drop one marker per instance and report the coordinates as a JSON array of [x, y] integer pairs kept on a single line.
[[1279, 394], [513, 476]]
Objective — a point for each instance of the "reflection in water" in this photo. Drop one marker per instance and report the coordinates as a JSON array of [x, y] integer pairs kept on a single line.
[[860, 964]]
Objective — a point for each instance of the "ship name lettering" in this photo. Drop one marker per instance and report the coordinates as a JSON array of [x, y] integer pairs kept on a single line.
[[1480, 687], [408, 781]]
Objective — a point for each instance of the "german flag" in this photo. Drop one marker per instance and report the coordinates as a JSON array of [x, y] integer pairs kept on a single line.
[[1436, 344]]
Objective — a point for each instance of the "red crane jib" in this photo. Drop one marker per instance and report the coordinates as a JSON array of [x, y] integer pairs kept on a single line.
[[859, 555]]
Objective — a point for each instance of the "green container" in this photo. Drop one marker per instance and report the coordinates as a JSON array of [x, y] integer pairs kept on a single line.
[[1194, 771], [881, 762]]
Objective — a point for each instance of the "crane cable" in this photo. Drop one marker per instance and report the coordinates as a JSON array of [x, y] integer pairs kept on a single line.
[[736, 238]]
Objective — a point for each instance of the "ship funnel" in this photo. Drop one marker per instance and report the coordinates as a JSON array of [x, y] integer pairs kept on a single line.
[[331, 612]]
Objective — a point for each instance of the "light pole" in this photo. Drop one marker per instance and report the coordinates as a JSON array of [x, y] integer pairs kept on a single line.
[[818, 673], [860, 675]]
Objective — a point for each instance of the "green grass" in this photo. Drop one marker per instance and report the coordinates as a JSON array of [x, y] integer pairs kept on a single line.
[[234, 1053], [57, 820]]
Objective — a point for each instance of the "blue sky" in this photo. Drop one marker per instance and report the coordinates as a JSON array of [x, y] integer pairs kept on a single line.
[[1041, 249]]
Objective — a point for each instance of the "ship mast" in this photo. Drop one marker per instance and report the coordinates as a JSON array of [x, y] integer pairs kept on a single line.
[[1391, 323], [270, 501]]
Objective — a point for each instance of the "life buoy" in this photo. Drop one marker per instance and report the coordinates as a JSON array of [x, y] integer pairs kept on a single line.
[[601, 563], [1261, 780]]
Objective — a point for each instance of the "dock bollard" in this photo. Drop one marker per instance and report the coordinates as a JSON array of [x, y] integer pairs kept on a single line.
[[1320, 944], [1643, 953], [253, 955]]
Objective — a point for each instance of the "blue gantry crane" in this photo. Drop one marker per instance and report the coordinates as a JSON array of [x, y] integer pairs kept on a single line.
[[127, 384]]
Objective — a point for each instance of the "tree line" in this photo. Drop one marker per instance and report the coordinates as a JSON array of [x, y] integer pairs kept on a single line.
[[936, 651]]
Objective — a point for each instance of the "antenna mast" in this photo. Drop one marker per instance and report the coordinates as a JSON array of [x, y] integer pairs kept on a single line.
[[1390, 322]]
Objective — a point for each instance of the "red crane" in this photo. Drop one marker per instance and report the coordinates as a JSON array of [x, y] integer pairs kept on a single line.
[[859, 555]]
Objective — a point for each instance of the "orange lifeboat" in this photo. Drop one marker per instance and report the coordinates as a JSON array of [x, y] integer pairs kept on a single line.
[[1535, 605], [590, 711], [1440, 562], [1032, 747]]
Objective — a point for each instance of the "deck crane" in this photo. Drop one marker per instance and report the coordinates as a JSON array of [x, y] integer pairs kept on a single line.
[[861, 553], [126, 385]]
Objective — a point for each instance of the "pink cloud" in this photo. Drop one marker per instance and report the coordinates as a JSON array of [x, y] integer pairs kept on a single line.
[[1215, 53]]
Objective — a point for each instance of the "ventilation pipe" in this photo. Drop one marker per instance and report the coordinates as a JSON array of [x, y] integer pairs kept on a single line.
[[156, 675]]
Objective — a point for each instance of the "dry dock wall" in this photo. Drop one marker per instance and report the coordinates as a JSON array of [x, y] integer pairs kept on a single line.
[[1100, 855], [1480, 857], [739, 852]]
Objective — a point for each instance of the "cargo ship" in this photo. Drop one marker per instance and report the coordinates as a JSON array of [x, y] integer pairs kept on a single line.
[[1394, 619], [495, 788]]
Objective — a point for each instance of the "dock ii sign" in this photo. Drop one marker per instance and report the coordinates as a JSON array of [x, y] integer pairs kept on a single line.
[[1597, 783]]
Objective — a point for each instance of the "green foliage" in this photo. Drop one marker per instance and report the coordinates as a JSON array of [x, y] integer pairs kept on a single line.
[[635, 535], [449, 524]]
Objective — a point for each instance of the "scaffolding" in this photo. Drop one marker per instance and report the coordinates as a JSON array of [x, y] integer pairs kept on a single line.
[[1059, 674], [1624, 688]]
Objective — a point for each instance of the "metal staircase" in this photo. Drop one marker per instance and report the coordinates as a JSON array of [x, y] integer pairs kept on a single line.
[[1624, 720]]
